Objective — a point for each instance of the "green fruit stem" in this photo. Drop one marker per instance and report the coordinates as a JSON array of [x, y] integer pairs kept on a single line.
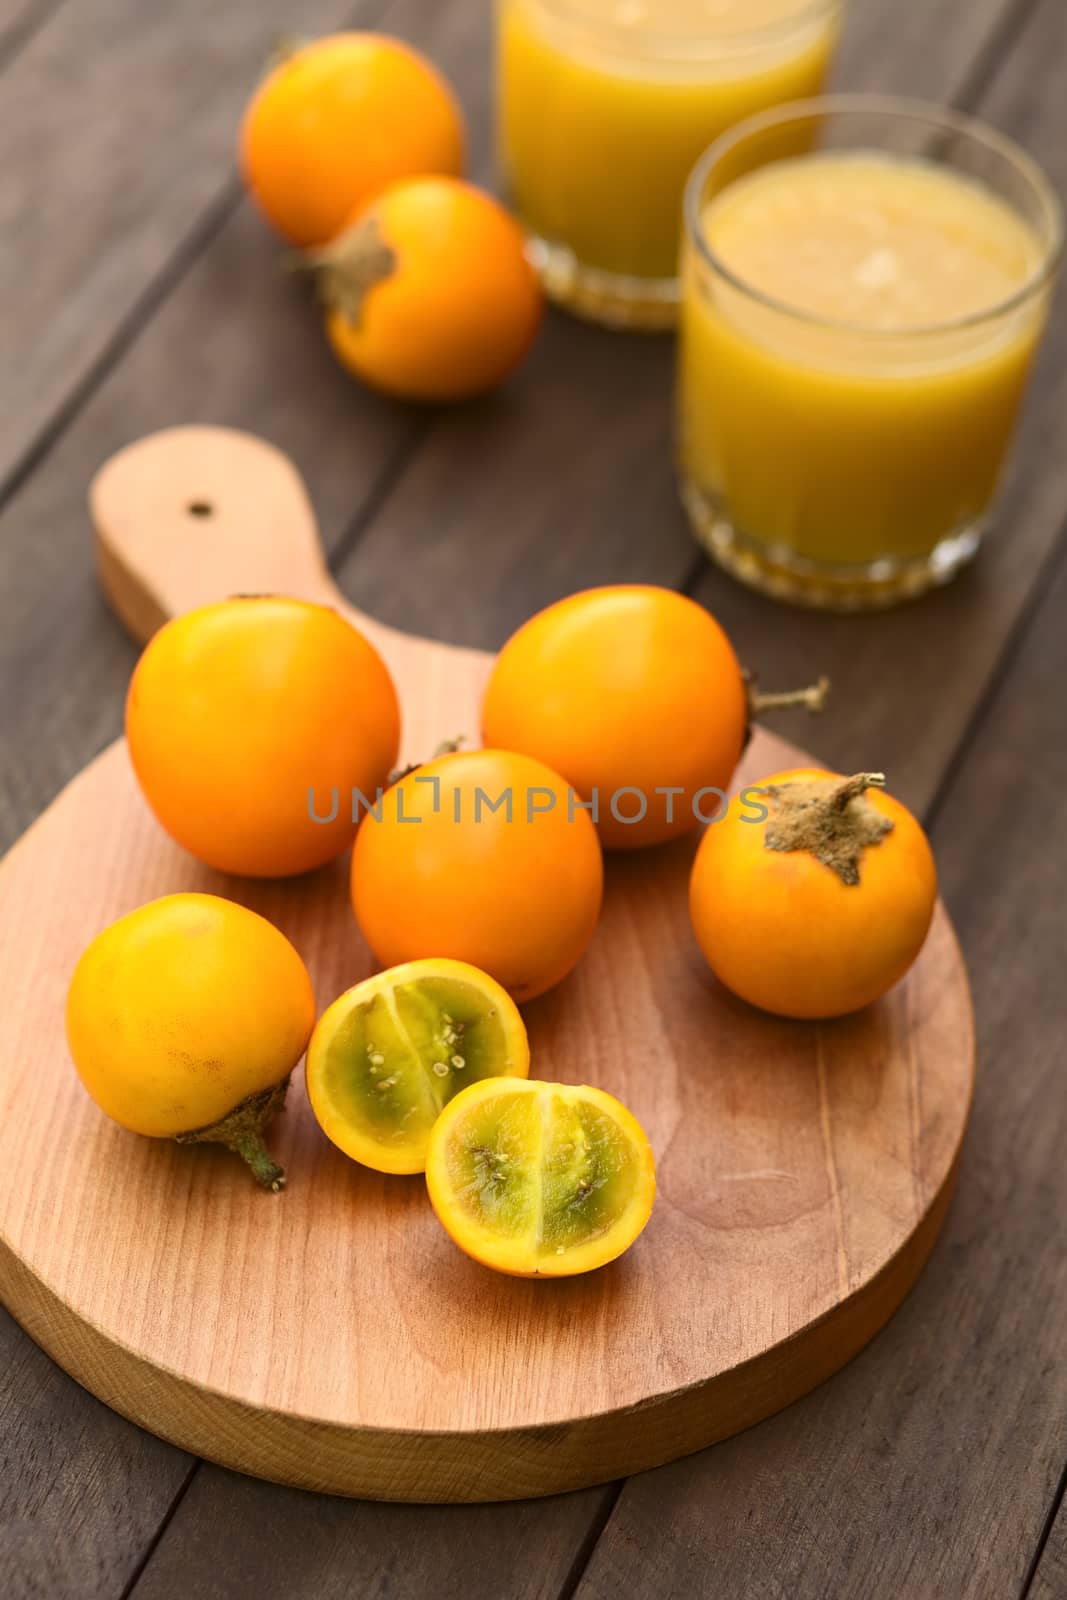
[[241, 1130]]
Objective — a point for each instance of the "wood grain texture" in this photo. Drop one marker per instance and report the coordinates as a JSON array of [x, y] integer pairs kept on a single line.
[[19, 21], [804, 1170], [117, 122], [346, 1549], [937, 50], [81, 1491], [1050, 1573]]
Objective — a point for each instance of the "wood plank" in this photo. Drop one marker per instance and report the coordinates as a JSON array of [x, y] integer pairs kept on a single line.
[[234, 1537], [117, 122], [928, 1466], [83, 1492], [19, 21], [1050, 1575], [936, 51]]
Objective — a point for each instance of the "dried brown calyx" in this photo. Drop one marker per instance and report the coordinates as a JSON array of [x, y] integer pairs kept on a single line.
[[348, 268], [241, 1131], [831, 819]]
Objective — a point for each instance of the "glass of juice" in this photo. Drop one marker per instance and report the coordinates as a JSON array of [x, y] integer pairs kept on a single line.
[[604, 106], [864, 286]]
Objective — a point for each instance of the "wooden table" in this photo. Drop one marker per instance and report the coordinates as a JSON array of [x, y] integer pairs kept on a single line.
[[138, 290]]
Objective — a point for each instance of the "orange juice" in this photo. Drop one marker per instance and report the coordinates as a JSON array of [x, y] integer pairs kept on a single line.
[[604, 107], [857, 331]]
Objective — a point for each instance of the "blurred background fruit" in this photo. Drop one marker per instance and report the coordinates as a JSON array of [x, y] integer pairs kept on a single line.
[[429, 294], [338, 120]]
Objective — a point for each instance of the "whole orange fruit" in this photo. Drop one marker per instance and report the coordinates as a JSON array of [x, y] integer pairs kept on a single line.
[[429, 293], [250, 721], [633, 693], [814, 894], [338, 120], [480, 856], [185, 1019]]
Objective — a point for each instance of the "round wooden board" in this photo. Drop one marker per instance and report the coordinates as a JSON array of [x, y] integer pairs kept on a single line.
[[333, 1336]]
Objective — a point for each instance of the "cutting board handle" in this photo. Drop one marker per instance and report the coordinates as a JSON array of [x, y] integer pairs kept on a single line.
[[195, 514]]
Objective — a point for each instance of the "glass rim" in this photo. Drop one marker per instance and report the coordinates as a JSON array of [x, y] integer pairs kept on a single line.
[[680, 47], [940, 118]]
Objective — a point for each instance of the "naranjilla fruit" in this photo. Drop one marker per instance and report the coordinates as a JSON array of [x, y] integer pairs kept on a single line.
[[335, 122], [482, 856], [814, 894], [428, 292], [540, 1179], [635, 696], [250, 724], [390, 1053], [185, 1019]]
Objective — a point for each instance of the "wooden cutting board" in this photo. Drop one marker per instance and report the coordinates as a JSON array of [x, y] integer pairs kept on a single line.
[[332, 1336]]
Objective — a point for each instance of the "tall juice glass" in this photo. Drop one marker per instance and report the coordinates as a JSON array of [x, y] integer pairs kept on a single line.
[[865, 285], [604, 107]]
